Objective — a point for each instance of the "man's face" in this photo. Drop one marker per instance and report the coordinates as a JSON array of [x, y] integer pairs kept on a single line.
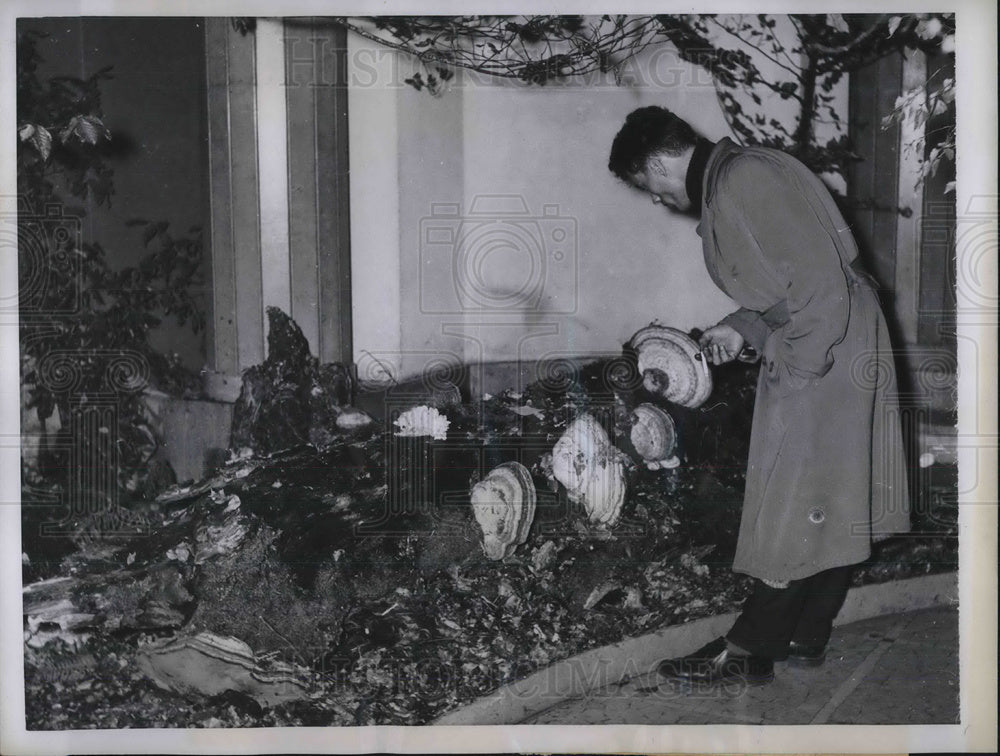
[[663, 178]]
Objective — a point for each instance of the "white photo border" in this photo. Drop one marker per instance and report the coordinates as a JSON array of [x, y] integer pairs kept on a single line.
[[976, 77]]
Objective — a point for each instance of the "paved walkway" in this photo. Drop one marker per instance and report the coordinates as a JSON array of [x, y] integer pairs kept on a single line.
[[897, 669]]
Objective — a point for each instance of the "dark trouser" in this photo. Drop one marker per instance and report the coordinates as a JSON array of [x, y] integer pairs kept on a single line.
[[802, 612]]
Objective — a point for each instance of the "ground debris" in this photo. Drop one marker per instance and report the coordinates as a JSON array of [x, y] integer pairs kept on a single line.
[[359, 578]]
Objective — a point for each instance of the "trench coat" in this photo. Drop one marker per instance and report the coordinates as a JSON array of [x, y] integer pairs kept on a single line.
[[826, 474]]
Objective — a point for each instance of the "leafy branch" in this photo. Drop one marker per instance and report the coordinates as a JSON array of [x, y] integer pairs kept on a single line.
[[72, 301], [750, 59]]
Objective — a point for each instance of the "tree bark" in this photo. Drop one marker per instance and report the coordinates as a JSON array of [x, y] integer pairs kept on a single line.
[[803, 131]]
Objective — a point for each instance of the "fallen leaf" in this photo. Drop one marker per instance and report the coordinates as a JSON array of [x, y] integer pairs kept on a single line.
[[528, 410], [600, 592]]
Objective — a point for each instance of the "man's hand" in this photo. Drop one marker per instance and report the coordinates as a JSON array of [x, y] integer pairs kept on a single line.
[[720, 344]]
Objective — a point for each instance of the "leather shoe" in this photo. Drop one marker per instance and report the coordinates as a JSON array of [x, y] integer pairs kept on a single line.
[[714, 662], [805, 655]]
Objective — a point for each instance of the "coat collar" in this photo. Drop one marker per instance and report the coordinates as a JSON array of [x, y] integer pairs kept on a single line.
[[694, 179], [722, 149]]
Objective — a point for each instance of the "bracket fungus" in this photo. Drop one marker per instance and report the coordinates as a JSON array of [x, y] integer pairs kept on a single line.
[[592, 470], [672, 365], [504, 506], [654, 437]]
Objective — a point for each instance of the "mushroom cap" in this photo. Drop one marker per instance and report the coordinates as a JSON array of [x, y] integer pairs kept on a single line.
[[591, 469], [653, 434], [503, 504], [672, 365]]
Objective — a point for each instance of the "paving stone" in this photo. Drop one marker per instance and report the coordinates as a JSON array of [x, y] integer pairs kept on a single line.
[[916, 679], [898, 669]]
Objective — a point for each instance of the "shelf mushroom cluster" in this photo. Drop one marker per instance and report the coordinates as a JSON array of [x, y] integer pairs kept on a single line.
[[585, 460], [586, 463]]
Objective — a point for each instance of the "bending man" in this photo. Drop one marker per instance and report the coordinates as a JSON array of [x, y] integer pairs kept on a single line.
[[826, 474]]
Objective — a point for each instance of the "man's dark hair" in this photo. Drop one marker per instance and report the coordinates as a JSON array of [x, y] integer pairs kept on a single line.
[[647, 132]]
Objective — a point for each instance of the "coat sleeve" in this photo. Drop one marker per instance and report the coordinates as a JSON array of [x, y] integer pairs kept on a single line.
[[750, 325], [783, 222], [755, 327]]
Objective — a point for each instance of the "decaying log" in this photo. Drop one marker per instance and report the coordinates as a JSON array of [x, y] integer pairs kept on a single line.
[[152, 597], [290, 399]]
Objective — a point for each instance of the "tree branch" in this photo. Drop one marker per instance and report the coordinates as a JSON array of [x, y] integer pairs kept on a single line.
[[792, 71], [839, 50]]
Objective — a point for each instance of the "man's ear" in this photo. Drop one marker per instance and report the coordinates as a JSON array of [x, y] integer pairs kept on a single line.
[[656, 165]]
